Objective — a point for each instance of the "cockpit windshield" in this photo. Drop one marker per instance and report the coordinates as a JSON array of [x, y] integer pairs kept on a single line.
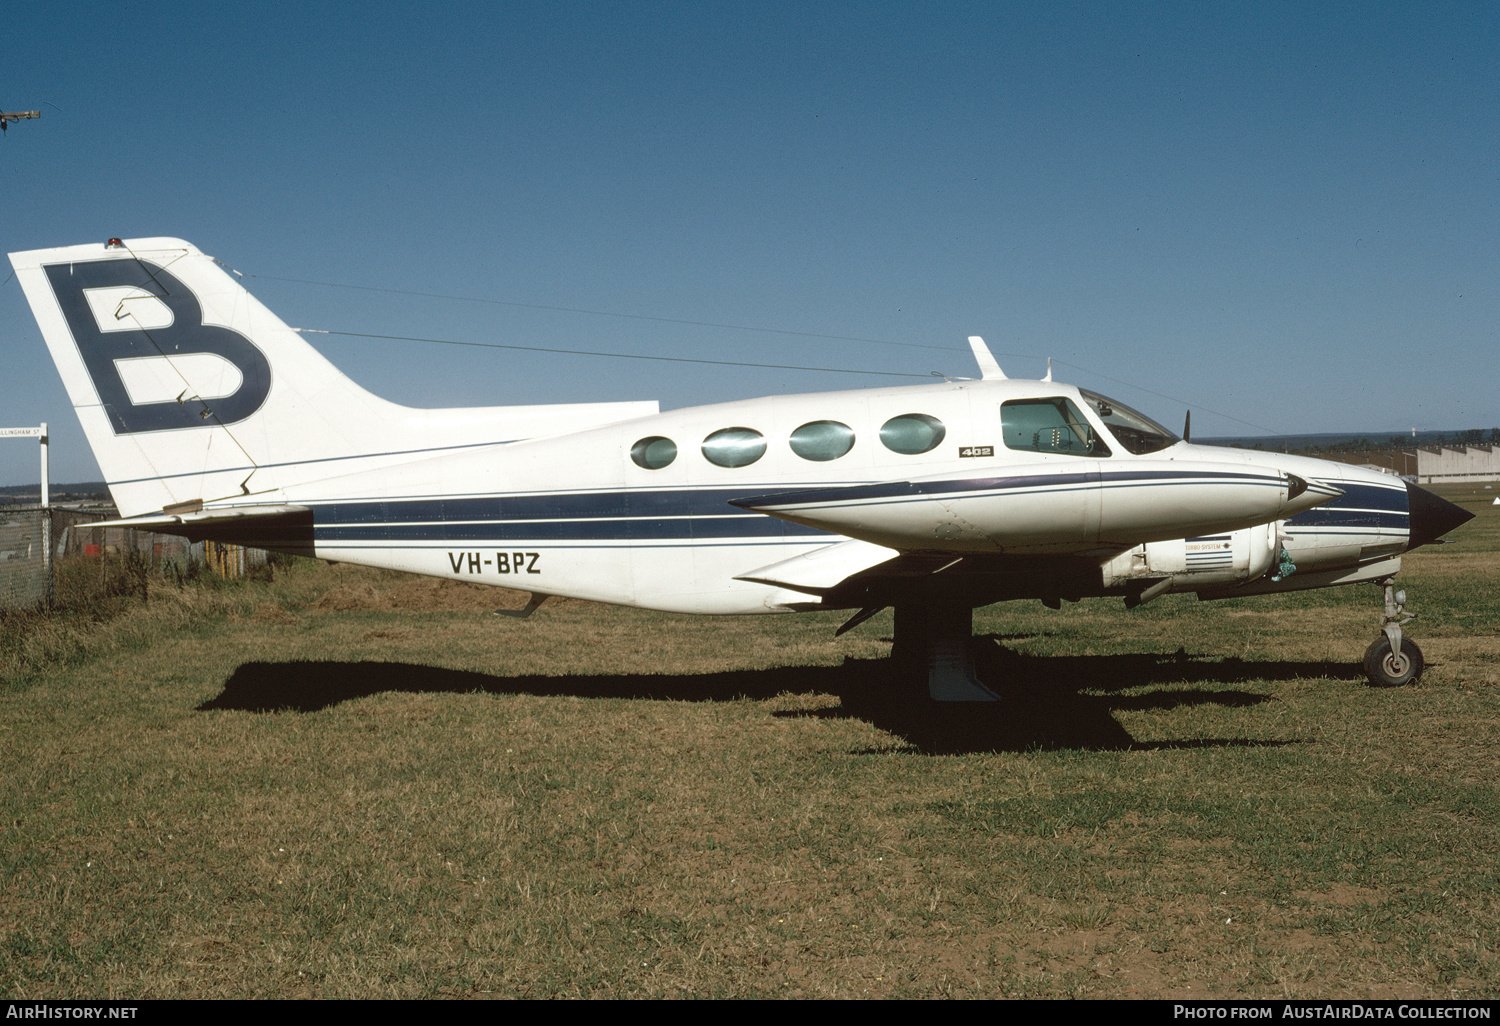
[[1138, 433]]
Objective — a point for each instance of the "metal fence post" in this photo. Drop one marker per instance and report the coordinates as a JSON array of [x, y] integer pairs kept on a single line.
[[40, 434], [48, 568], [47, 560]]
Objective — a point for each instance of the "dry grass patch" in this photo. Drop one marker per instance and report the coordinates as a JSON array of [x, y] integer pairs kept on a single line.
[[344, 783]]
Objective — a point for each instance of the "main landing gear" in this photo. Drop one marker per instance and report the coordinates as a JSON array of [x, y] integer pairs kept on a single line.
[[935, 644], [1392, 660]]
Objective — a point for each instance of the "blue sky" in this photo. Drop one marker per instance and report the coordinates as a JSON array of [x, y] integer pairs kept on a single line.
[[1284, 214]]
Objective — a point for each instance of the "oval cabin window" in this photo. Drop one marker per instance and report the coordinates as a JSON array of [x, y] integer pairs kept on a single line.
[[653, 453], [912, 434], [734, 447], [822, 440]]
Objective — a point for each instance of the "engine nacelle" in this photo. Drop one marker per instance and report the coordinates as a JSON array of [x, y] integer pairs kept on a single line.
[[1232, 557]]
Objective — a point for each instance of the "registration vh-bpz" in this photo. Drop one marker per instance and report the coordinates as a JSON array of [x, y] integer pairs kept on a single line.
[[210, 418]]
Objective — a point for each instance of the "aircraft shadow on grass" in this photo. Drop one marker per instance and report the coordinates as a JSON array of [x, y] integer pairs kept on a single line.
[[1047, 701]]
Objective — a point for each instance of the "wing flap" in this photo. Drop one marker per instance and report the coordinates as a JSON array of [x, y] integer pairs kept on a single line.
[[820, 571]]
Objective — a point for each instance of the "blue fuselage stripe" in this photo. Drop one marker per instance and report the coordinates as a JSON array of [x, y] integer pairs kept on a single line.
[[631, 515], [1324, 517], [555, 506], [1361, 496], [571, 530]]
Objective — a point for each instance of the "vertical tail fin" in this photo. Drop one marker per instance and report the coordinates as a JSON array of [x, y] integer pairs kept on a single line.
[[188, 388]]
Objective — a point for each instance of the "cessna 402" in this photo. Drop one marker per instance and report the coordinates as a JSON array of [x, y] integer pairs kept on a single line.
[[211, 418]]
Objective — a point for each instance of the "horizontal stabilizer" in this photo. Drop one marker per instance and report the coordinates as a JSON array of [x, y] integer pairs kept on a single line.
[[282, 528], [173, 523]]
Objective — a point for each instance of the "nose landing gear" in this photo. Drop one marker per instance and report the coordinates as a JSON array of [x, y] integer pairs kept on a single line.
[[1392, 661]]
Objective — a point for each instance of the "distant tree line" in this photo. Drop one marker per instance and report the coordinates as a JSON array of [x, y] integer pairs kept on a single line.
[[1471, 436], [1356, 443]]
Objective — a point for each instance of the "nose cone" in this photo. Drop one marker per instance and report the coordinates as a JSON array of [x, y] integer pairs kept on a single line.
[[1431, 516]]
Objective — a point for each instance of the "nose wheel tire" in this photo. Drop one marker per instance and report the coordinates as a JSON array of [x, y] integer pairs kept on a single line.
[[1388, 669]]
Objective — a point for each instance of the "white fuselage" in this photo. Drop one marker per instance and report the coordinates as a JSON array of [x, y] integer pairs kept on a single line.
[[574, 515]]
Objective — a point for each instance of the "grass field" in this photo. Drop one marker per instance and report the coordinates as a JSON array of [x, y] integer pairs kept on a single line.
[[344, 783]]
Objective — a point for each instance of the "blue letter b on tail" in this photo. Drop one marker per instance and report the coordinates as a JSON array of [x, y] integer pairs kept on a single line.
[[149, 371]]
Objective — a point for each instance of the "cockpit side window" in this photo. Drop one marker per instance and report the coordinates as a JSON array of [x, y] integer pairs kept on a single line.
[[1136, 432], [1049, 425]]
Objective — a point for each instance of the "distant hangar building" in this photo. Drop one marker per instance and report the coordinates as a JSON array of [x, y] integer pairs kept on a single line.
[[1435, 464]]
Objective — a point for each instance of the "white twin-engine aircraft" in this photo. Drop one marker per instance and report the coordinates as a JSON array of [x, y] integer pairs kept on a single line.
[[212, 419]]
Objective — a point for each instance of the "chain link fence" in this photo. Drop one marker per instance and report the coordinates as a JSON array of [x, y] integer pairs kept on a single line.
[[88, 561], [23, 570]]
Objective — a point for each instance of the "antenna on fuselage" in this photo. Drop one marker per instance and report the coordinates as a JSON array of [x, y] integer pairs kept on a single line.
[[1049, 370], [989, 370]]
